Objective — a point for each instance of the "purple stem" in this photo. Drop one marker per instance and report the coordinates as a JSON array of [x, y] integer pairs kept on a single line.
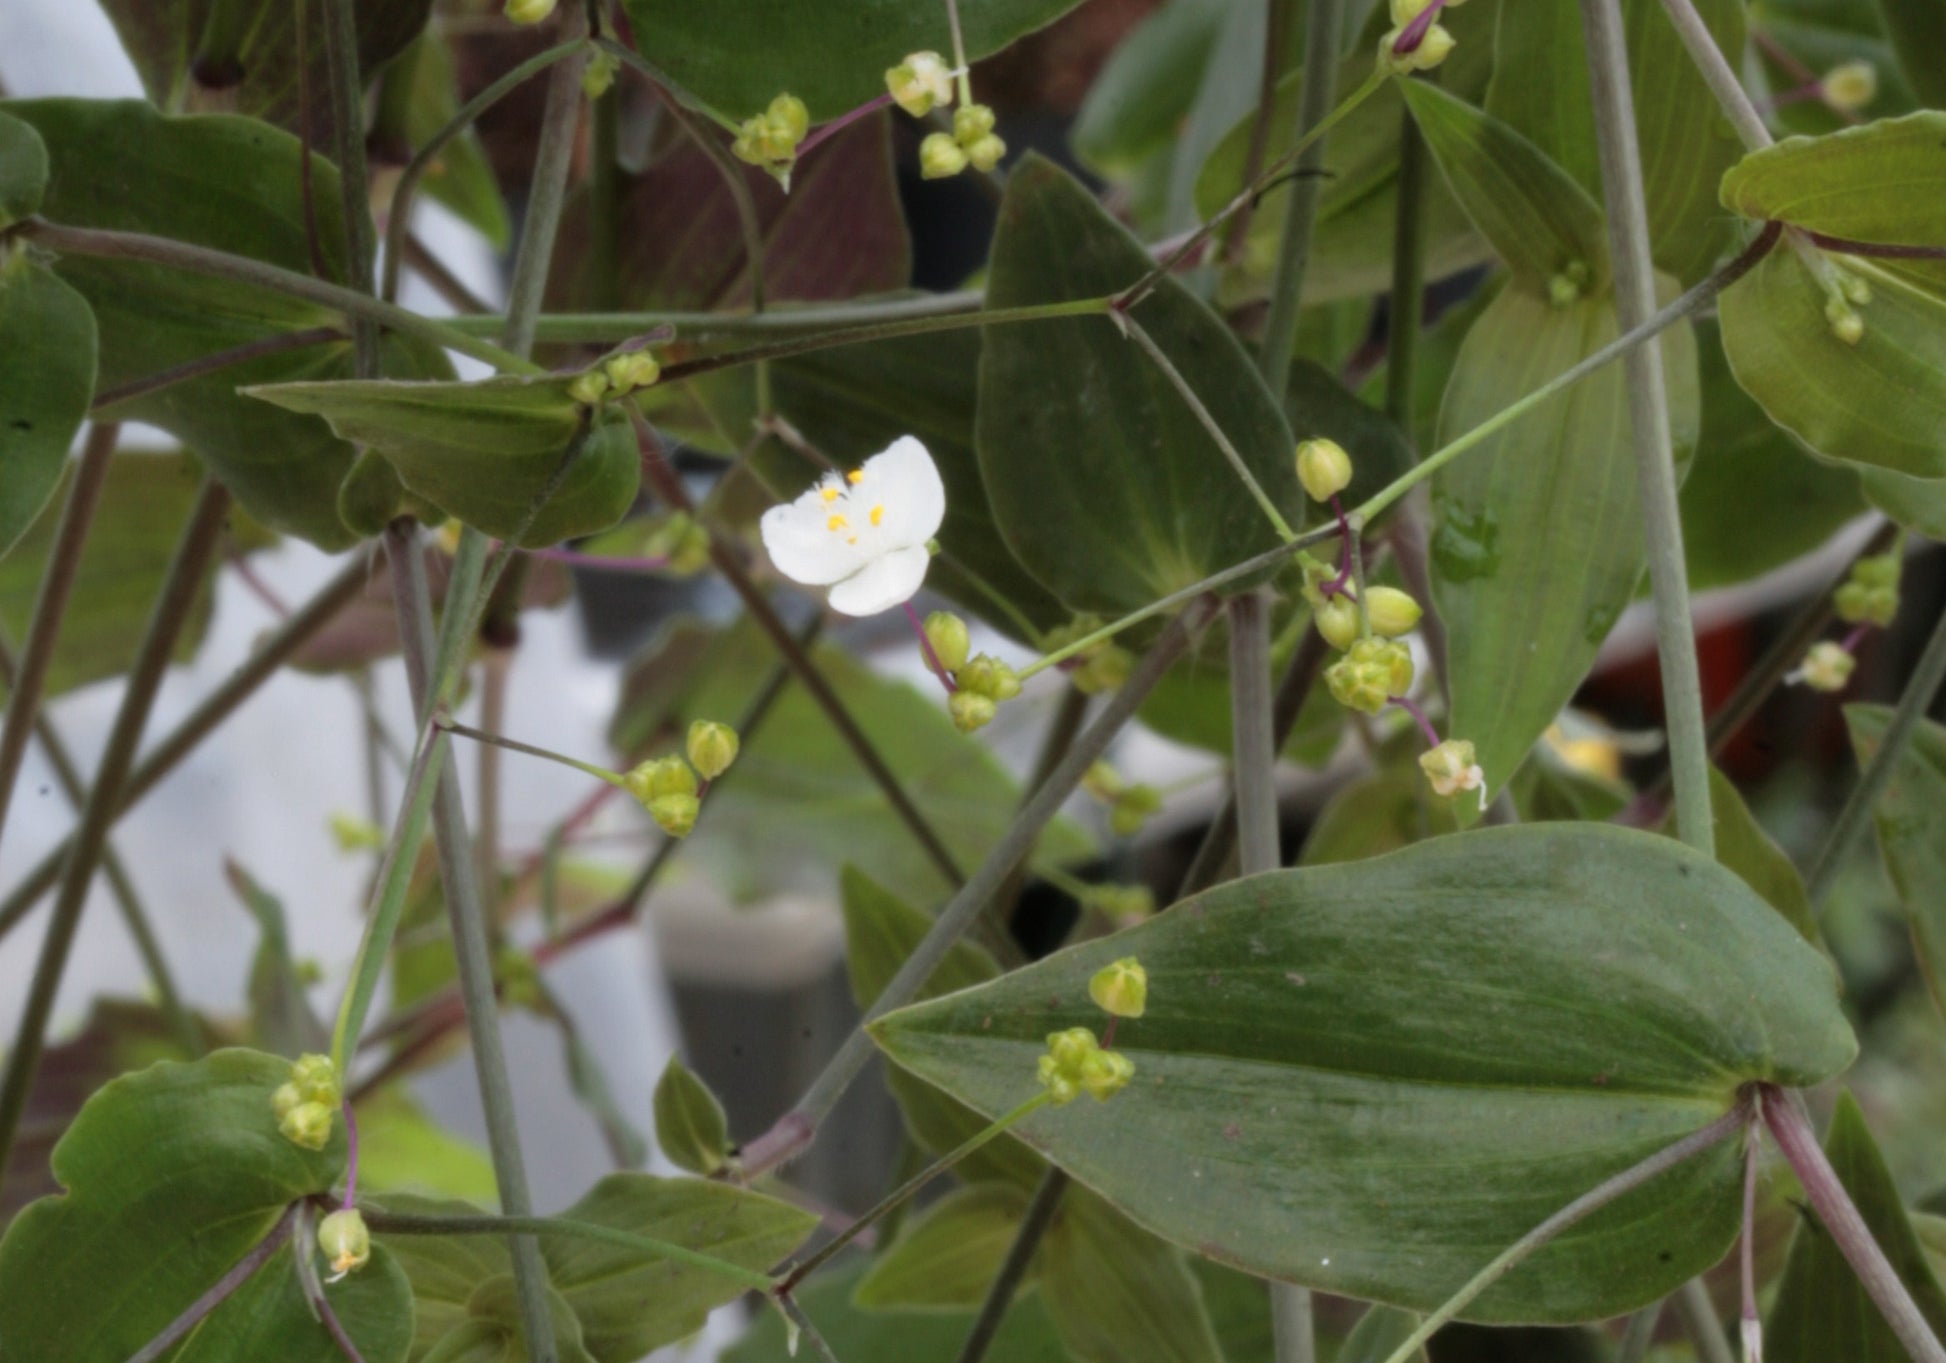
[[614, 565], [1855, 638], [925, 642], [1792, 1131], [339, 1335], [1416, 31], [351, 1158], [238, 1275], [1751, 1325], [1337, 584], [1845, 246], [840, 123], [1406, 704]]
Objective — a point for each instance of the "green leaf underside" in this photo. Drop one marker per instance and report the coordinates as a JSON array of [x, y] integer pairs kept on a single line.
[[1102, 481], [1537, 539], [1372, 1078], [1821, 1312], [23, 170], [1907, 816], [832, 55], [1117, 1293], [1919, 504], [47, 334], [946, 1258], [1880, 183]]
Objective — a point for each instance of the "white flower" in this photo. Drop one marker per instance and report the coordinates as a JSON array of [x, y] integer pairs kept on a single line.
[[1827, 667], [863, 534], [920, 83], [1451, 769]]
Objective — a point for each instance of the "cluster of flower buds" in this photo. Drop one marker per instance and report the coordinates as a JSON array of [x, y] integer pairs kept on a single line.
[[770, 139], [668, 786], [923, 82], [307, 1102], [1870, 595], [530, 11], [981, 684], [1130, 804], [347, 1245], [615, 377], [1076, 1064], [1844, 294], [680, 542], [1414, 42], [1370, 674], [1102, 666]]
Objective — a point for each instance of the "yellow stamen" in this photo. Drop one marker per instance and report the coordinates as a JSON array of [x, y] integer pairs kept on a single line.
[[878, 514], [830, 494], [855, 477], [835, 524]]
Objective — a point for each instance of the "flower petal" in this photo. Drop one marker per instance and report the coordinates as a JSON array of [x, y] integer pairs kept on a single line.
[[883, 583], [804, 548], [904, 480]]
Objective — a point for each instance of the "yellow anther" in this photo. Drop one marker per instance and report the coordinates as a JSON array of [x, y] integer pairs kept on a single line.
[[855, 477], [830, 495], [878, 514], [836, 523]]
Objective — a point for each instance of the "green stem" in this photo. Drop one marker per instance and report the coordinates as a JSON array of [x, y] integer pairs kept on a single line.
[[1655, 464], [400, 1223], [182, 584], [612, 328], [354, 181], [1639, 1334], [1914, 701], [796, 1315], [546, 194], [209, 364], [1322, 22], [796, 1128], [29, 680], [220, 1291], [1146, 343], [168, 753], [453, 726], [1277, 24], [217, 63], [1013, 1269], [1510, 1258], [181, 255], [1722, 81], [1699, 1319]]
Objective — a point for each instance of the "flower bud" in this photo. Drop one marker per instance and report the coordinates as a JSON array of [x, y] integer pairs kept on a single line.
[[987, 676], [1105, 669], [986, 152], [308, 1124], [1132, 809], [789, 118], [345, 1241], [1391, 611], [675, 814], [1405, 11], [1369, 675], [712, 747], [598, 76], [1103, 782], [657, 777], [589, 388], [920, 83], [529, 11], [1562, 291], [1124, 903], [972, 123], [1434, 47], [284, 1099], [316, 1079], [1121, 988], [950, 642], [1324, 468], [1450, 768], [1870, 596], [940, 157], [1845, 324], [970, 710], [353, 834], [1849, 86], [1827, 667], [632, 369], [1337, 621], [1061, 1068], [1105, 1074]]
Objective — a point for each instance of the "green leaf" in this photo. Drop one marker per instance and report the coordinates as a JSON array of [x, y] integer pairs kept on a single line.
[[48, 335], [832, 56], [172, 1175], [1537, 533], [401, 1149], [1918, 504], [1539, 1007], [946, 1258], [1880, 183], [280, 1016], [23, 170], [493, 1331], [1822, 1312], [1748, 472], [690, 1127], [235, 185], [444, 1270], [1917, 28], [1389, 809], [269, 1318], [488, 451], [1379, 1332], [1136, 106], [1116, 1293], [859, 1336], [1744, 847], [1102, 481], [1541, 223], [1907, 816], [1880, 403]]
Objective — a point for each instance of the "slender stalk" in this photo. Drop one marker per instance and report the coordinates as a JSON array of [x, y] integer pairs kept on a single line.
[[1628, 241], [1917, 697], [524, 1226], [1717, 74], [1699, 1319], [493, 717], [796, 1128], [29, 679], [212, 363], [1792, 1131], [167, 754], [182, 583], [1749, 1324], [1322, 21], [354, 181], [1586, 1205], [219, 1292], [1277, 20], [608, 328], [796, 1315], [1146, 343], [546, 192], [1639, 1334], [1013, 1269]]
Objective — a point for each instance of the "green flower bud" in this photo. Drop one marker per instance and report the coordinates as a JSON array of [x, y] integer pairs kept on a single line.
[[675, 814], [598, 76], [1105, 1074], [971, 123], [631, 370], [1121, 988], [1103, 782], [308, 1124], [1845, 324], [345, 1241], [987, 152], [920, 83], [590, 388], [712, 747], [1871, 595], [1124, 903], [940, 157], [284, 1099], [970, 710], [1076, 1064], [1849, 86], [1880, 570], [1450, 769], [529, 11], [1106, 668], [789, 120], [1827, 668], [1337, 620], [1391, 611], [1324, 468], [1372, 673], [316, 1079], [659, 776], [1562, 291], [950, 642], [1434, 48], [1132, 809], [986, 675], [353, 834], [1064, 1086], [1405, 11]]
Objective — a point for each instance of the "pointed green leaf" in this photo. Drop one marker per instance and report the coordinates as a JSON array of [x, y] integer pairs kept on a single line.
[[401, 1149], [1540, 222], [494, 1333], [488, 452], [1880, 183], [1744, 847], [1116, 1293], [859, 1336], [444, 1270], [1135, 107], [268, 1317], [1537, 533], [1538, 1007], [1102, 480], [1909, 832], [690, 1127], [47, 333], [946, 1258], [23, 170], [1821, 1312], [833, 55]]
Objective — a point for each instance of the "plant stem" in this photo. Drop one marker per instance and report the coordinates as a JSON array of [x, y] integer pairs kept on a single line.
[[1006, 1283], [220, 1292], [1639, 1334], [1717, 74], [398, 1223], [796, 1315], [546, 193], [270, 655], [29, 679], [1277, 21], [1139, 334], [1699, 1318], [1588, 1203], [608, 328], [1655, 466], [1322, 21], [182, 583], [1792, 1131], [796, 1128], [1069, 712], [354, 181], [212, 363], [1917, 697]]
